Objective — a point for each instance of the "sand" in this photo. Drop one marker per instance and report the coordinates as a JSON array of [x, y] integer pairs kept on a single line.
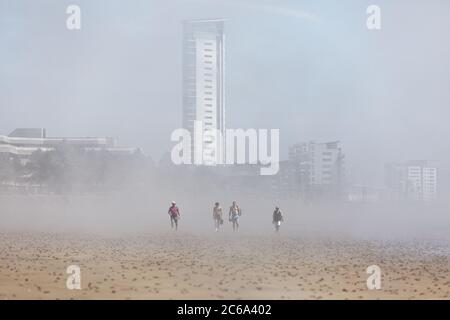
[[219, 266]]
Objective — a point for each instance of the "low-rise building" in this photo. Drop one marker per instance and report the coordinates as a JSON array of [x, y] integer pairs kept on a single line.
[[25, 141]]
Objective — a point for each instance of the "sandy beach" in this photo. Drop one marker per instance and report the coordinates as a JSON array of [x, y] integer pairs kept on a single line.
[[218, 266]]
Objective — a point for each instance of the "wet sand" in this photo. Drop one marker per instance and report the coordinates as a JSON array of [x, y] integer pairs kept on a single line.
[[219, 266]]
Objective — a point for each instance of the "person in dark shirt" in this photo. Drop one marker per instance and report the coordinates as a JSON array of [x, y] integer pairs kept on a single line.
[[277, 218]]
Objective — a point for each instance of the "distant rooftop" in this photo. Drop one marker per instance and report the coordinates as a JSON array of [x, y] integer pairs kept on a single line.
[[211, 25], [203, 20]]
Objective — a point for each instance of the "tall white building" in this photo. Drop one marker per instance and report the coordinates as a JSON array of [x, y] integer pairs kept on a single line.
[[203, 87], [429, 183]]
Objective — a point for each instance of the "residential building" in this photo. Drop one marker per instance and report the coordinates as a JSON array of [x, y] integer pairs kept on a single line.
[[318, 168], [413, 180], [203, 87]]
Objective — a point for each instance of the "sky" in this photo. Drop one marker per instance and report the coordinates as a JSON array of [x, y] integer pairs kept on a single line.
[[309, 68]]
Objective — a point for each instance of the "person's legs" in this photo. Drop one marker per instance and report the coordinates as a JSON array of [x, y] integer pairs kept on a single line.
[[235, 224], [218, 224], [171, 221], [176, 224]]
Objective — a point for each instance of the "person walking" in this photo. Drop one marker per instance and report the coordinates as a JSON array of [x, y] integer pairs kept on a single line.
[[217, 216], [174, 214], [277, 218], [234, 214]]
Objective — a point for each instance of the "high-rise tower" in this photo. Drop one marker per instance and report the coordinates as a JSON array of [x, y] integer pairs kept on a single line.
[[203, 86]]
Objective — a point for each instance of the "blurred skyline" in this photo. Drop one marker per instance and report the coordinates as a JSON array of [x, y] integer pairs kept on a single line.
[[311, 69]]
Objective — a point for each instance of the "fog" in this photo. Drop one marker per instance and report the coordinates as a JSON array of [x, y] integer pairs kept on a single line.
[[136, 214], [309, 68]]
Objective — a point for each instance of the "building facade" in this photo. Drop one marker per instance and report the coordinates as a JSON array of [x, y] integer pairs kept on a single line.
[[413, 180], [318, 168], [25, 141], [203, 87]]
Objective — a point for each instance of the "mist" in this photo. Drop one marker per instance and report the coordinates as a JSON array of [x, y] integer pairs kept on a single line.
[[132, 212], [312, 70]]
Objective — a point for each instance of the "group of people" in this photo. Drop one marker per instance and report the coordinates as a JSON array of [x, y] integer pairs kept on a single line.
[[234, 214]]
